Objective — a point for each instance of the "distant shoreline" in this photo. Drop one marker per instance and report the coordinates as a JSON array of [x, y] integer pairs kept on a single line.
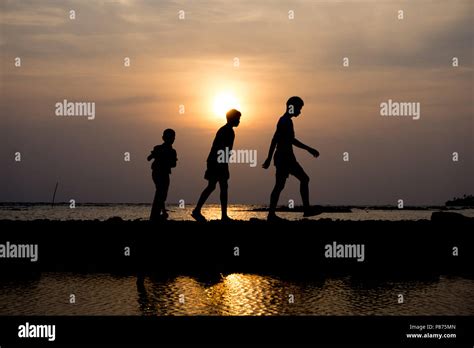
[[348, 208], [440, 216], [262, 207]]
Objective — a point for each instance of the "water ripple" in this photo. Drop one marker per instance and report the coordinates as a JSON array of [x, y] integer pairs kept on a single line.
[[235, 294]]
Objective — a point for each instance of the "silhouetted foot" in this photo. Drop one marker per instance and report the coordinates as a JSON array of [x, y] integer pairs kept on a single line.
[[198, 216], [312, 211], [227, 219], [164, 216], [274, 218]]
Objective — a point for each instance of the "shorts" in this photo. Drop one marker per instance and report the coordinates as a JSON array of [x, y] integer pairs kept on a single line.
[[162, 183], [285, 168], [217, 172]]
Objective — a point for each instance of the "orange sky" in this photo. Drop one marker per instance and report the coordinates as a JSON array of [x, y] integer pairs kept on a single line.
[[187, 62]]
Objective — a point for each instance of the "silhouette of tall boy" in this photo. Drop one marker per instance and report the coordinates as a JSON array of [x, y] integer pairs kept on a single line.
[[218, 172], [164, 159], [285, 160]]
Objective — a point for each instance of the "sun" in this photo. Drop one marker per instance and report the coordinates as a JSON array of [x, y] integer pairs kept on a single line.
[[223, 102]]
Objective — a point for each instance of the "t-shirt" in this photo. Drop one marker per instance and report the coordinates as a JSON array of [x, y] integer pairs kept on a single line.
[[165, 158], [224, 139], [284, 136]]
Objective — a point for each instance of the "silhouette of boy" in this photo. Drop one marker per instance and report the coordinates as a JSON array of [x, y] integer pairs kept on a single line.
[[164, 159], [285, 160], [218, 172]]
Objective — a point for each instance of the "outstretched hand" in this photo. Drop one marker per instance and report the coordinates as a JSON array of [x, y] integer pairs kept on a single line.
[[314, 152], [266, 164]]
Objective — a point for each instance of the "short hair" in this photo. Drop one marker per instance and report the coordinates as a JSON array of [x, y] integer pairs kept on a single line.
[[232, 115], [168, 133], [295, 101]]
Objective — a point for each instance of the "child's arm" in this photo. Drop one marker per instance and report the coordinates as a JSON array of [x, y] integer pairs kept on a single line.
[[174, 159], [152, 154], [299, 144], [271, 150]]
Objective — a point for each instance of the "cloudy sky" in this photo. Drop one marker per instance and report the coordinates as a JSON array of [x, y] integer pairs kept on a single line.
[[189, 62]]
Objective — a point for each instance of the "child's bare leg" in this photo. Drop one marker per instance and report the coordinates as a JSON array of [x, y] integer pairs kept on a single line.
[[224, 198]]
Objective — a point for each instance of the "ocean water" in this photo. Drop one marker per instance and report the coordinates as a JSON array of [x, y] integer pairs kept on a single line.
[[234, 294], [212, 212]]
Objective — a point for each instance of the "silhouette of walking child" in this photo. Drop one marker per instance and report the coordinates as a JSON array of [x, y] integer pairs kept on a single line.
[[164, 159], [218, 171], [285, 160]]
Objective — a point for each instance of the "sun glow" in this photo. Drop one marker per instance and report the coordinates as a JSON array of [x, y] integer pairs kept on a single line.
[[223, 102]]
